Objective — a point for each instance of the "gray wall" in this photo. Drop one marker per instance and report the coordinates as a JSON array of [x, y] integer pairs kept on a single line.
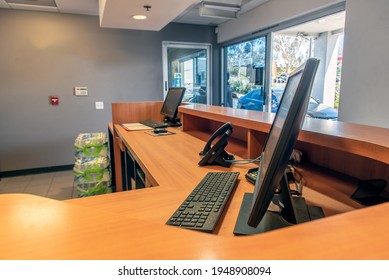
[[365, 85], [45, 54]]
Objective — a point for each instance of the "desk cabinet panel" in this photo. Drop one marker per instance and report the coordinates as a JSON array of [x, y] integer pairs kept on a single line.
[[135, 177]]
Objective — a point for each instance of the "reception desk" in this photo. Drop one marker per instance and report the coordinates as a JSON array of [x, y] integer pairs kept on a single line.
[[131, 224]]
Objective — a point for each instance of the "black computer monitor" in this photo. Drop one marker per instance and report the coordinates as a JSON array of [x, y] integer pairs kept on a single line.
[[254, 216], [170, 105]]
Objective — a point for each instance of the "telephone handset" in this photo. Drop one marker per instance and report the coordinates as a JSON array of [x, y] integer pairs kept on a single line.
[[216, 154]]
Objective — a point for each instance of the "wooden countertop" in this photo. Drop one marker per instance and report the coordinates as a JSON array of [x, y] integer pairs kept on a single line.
[[131, 225], [38, 228], [367, 141]]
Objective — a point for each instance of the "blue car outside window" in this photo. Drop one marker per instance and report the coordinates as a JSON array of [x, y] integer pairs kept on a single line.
[[254, 101]]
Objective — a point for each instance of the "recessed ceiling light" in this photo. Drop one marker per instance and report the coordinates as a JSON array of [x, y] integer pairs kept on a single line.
[[139, 17]]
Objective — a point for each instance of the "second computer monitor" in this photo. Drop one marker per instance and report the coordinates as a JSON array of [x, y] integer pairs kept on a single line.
[[172, 101]]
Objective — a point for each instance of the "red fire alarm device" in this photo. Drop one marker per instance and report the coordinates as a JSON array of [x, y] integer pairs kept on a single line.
[[54, 100]]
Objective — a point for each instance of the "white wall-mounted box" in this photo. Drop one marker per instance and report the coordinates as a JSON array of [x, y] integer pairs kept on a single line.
[[81, 91]]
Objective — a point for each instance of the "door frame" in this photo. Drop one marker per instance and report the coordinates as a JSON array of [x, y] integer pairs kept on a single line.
[[187, 45]]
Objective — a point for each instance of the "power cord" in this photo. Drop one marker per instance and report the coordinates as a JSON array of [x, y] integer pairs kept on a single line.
[[243, 161]]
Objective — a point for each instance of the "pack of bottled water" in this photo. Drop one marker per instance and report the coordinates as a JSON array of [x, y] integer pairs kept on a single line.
[[92, 166]]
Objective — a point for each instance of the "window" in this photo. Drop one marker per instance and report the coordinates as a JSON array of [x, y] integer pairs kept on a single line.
[[245, 63], [321, 38], [254, 77]]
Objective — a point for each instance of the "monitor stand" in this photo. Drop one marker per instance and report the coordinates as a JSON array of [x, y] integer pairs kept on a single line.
[[296, 211], [175, 122]]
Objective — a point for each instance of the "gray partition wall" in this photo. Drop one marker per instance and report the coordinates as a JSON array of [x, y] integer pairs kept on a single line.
[[48, 54]]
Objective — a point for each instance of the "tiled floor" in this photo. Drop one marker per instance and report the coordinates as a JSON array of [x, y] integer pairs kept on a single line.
[[56, 185]]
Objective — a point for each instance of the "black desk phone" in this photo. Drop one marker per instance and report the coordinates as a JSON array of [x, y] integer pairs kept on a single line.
[[215, 154]]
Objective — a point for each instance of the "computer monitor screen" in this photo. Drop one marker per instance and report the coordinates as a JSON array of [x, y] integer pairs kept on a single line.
[[282, 139], [172, 101]]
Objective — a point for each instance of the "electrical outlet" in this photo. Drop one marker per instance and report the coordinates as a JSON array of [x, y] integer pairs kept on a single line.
[[99, 105]]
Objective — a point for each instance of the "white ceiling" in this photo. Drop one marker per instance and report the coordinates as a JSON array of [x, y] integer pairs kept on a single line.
[[118, 13], [334, 23]]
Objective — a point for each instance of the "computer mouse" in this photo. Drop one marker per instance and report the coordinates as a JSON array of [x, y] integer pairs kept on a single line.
[[159, 130]]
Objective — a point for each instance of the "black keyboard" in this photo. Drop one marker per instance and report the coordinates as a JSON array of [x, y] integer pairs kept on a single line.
[[202, 209], [154, 124]]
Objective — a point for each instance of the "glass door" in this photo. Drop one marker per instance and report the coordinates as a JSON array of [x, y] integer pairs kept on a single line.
[[187, 65]]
